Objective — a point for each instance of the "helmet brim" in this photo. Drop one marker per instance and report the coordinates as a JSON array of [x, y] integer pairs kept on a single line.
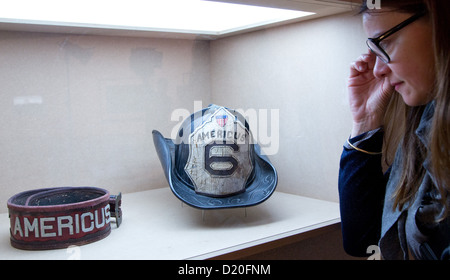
[[259, 190]]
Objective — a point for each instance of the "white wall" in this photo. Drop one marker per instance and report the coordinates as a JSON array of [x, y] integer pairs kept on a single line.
[[79, 110], [301, 70]]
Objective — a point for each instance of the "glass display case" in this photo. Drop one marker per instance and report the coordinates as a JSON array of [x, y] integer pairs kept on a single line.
[[80, 101]]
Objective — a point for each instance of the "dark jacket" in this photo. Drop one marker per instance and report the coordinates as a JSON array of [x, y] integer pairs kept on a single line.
[[366, 203]]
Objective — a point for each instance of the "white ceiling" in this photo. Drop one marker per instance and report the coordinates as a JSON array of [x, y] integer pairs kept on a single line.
[[321, 8]]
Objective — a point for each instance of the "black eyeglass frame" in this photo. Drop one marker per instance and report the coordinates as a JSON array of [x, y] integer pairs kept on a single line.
[[376, 41]]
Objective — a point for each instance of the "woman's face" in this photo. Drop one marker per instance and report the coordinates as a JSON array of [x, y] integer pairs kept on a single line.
[[411, 70]]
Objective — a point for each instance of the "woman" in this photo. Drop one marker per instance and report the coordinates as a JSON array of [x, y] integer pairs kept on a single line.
[[399, 97]]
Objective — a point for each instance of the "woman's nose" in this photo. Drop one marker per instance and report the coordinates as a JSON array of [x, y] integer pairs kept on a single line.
[[381, 69]]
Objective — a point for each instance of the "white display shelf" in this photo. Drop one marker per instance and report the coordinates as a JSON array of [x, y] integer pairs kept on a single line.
[[156, 225]]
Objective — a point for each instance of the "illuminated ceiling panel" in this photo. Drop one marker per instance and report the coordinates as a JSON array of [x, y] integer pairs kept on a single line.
[[181, 16]]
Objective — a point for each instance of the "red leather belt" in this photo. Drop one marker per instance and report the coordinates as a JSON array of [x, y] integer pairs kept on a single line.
[[54, 218]]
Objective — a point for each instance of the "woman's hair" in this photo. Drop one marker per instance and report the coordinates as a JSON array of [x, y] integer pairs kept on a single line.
[[402, 118]]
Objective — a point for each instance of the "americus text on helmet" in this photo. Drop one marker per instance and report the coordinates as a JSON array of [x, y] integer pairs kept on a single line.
[[264, 123], [227, 136]]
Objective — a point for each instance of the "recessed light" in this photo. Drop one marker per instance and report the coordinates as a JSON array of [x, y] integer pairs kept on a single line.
[[186, 16]]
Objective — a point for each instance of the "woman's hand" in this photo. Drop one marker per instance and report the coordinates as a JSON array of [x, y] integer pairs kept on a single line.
[[368, 95]]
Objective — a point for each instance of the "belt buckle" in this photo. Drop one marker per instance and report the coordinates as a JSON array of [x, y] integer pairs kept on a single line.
[[115, 201]]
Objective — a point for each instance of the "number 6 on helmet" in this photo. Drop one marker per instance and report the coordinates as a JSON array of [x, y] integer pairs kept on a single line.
[[214, 163]]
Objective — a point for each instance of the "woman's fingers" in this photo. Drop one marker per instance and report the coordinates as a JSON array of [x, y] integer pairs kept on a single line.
[[357, 67], [370, 59], [364, 63]]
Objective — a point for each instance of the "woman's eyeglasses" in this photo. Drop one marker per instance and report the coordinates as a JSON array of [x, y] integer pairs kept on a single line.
[[374, 43]]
